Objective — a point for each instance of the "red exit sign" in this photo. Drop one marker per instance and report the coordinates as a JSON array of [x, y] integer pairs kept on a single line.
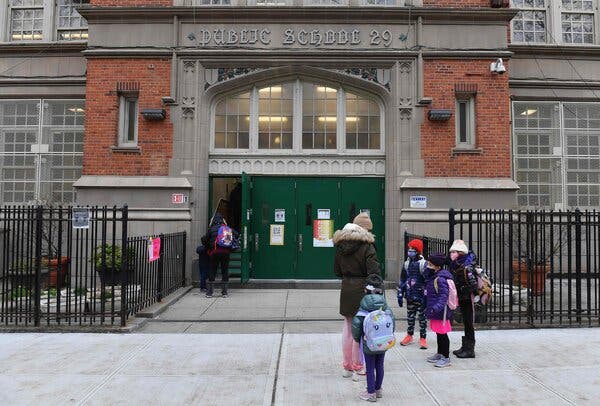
[[179, 198]]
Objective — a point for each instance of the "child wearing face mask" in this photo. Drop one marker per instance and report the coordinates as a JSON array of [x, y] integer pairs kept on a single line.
[[412, 287]]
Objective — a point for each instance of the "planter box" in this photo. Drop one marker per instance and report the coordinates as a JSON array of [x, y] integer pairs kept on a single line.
[[112, 277], [94, 300]]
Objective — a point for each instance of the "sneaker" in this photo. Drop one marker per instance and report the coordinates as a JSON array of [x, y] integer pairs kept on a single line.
[[407, 340], [224, 294], [443, 363], [435, 358], [208, 294], [369, 397], [347, 373], [379, 393], [357, 376], [423, 343]]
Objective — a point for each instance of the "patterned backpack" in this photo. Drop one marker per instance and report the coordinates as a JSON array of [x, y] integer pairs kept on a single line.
[[378, 328], [224, 237]]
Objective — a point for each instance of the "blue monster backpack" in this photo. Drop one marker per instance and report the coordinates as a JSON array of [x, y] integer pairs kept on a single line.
[[378, 328]]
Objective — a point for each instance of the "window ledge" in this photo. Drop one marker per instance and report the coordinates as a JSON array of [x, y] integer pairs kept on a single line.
[[136, 150], [467, 151]]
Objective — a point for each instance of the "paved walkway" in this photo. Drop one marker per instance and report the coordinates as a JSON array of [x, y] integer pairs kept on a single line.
[[289, 360]]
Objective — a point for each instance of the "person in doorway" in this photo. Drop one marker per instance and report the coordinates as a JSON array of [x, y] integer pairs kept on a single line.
[[219, 242], [373, 300], [355, 259], [462, 266], [438, 312], [203, 264], [412, 286]]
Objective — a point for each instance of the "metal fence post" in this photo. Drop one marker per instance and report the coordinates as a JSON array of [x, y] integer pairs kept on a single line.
[[124, 264], [578, 264], [39, 218], [184, 259], [159, 282], [530, 263], [451, 224]]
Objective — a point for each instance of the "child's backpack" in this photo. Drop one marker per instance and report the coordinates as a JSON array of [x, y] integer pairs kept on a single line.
[[224, 237], [378, 327], [484, 286], [452, 293]]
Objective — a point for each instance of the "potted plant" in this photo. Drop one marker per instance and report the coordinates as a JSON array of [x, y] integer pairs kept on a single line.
[[108, 259], [58, 269], [22, 273]]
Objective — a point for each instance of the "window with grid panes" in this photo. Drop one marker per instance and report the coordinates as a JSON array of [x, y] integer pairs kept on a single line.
[[577, 21], [71, 25], [41, 150], [529, 25], [382, 2], [557, 154], [316, 115], [26, 20]]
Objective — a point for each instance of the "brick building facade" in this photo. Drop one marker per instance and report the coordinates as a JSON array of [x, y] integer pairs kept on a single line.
[[182, 97]]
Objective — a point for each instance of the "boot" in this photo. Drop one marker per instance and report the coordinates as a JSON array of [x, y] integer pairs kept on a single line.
[[468, 351], [209, 289], [462, 347], [224, 290]]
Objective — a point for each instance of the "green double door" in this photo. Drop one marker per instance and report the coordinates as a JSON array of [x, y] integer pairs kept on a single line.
[[291, 221]]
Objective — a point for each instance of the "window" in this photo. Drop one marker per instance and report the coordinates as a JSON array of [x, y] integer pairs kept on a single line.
[[529, 25], [380, 3], [325, 2], [465, 122], [275, 117], [232, 119], [577, 22], [71, 25], [128, 116], [26, 20], [319, 117], [41, 150], [554, 22], [557, 154], [298, 116]]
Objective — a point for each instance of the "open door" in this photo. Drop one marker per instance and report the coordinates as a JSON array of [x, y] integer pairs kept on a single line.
[[246, 232]]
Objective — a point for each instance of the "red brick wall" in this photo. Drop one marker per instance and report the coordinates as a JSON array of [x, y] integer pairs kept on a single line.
[[492, 120], [155, 138], [456, 3], [131, 3]]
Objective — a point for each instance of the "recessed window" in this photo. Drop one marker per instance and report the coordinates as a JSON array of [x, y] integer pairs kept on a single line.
[[26, 20], [577, 21], [465, 123], [298, 116], [529, 25], [128, 117], [71, 25]]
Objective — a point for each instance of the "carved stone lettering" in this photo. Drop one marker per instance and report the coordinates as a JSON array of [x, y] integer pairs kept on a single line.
[[264, 36], [315, 38], [205, 37], [288, 37], [219, 37], [243, 36], [232, 37], [329, 37], [302, 37], [355, 37], [342, 37]]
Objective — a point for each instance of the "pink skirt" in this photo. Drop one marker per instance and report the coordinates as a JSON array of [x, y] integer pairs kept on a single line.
[[441, 327]]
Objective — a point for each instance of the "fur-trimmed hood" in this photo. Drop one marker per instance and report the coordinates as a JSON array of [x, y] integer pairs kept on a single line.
[[353, 232]]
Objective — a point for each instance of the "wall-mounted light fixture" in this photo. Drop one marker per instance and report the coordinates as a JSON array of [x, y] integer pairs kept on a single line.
[[439, 115], [154, 114]]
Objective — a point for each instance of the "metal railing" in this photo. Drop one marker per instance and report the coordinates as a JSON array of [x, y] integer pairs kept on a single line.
[[54, 272], [544, 264]]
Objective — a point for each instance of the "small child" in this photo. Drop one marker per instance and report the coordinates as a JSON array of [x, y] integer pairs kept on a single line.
[[438, 312], [372, 301], [411, 287]]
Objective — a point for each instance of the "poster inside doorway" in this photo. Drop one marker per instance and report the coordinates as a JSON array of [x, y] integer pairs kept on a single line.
[[276, 234], [322, 233]]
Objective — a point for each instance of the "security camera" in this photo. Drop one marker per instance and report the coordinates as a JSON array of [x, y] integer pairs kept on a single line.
[[498, 66]]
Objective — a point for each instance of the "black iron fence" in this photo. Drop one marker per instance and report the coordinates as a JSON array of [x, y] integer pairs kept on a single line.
[[57, 268], [544, 264]]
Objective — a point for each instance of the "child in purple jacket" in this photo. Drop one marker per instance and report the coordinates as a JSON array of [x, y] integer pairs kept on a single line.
[[437, 310]]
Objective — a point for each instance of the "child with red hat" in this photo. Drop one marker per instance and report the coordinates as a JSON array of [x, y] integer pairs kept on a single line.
[[412, 287]]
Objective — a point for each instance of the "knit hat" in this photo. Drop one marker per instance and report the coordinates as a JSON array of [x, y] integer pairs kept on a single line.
[[416, 244], [459, 246], [374, 283], [437, 259], [364, 221]]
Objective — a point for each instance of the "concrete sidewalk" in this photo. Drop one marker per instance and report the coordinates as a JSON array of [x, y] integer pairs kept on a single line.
[[520, 367]]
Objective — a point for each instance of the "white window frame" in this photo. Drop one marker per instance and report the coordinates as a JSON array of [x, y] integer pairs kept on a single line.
[[297, 124], [66, 29], [124, 101], [470, 129], [554, 12], [50, 27]]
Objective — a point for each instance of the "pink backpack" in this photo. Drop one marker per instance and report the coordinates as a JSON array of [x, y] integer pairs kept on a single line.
[[452, 294]]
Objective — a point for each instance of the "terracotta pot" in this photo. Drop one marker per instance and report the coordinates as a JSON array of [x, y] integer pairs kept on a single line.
[[57, 271], [538, 277]]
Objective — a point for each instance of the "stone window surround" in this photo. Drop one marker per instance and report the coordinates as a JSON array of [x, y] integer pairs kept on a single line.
[[297, 136], [50, 26], [554, 10]]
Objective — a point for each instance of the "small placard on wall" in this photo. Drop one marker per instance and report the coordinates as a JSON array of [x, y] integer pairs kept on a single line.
[[277, 234], [323, 214], [418, 202], [280, 215], [179, 198]]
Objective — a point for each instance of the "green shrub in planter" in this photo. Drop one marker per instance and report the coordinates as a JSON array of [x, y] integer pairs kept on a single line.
[[108, 259], [19, 292]]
